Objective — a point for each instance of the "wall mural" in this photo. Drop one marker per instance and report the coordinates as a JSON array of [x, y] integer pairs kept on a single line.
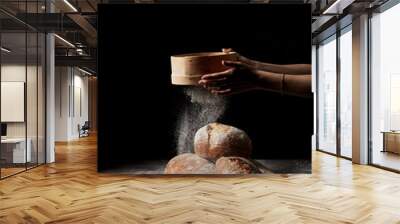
[[204, 89]]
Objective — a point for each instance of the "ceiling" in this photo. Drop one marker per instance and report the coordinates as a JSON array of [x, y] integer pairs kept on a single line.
[[72, 20]]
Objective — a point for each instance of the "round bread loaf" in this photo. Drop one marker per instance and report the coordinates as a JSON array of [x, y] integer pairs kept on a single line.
[[216, 140], [189, 163], [235, 165]]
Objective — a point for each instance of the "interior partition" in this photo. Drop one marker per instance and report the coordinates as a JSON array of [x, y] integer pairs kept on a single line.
[[22, 77]]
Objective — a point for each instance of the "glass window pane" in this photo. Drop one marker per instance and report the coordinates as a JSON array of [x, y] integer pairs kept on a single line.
[[41, 98], [22, 89], [32, 95], [327, 96], [386, 88], [346, 94]]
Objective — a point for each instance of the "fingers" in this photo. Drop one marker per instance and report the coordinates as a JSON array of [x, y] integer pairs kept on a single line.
[[227, 50], [221, 84], [224, 77], [233, 64], [226, 73], [228, 92], [217, 75], [231, 89], [224, 92], [215, 82]]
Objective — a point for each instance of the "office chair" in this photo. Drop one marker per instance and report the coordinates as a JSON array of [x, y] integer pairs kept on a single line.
[[84, 130]]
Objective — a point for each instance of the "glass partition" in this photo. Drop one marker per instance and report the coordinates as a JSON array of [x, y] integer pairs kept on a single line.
[[31, 100], [22, 77], [35, 50], [15, 152], [41, 97]]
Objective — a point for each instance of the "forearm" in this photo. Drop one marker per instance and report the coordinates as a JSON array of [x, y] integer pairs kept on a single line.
[[299, 85], [292, 69]]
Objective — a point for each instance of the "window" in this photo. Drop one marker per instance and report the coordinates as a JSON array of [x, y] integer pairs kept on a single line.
[[346, 92], [385, 88], [327, 95], [334, 138]]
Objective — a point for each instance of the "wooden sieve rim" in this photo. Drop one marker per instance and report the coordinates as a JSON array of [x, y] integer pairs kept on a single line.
[[203, 54]]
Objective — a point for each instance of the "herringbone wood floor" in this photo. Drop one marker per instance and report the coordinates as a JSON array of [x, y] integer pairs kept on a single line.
[[71, 191]]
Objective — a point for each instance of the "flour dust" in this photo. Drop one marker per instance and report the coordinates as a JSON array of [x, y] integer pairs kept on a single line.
[[203, 108]]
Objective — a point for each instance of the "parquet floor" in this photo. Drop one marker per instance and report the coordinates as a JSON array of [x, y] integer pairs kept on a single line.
[[71, 191], [10, 171]]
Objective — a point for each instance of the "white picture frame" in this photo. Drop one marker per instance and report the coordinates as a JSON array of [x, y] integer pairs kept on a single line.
[[12, 101]]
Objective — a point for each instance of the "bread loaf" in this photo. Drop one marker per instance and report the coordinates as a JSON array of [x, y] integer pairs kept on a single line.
[[235, 165], [216, 140], [189, 163]]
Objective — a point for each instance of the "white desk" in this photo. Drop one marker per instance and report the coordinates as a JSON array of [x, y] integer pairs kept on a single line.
[[18, 151]]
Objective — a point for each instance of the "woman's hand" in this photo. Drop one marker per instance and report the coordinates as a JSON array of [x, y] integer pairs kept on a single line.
[[245, 75], [240, 77]]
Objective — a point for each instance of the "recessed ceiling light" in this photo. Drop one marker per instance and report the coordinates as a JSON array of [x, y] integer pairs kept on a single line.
[[65, 41], [70, 5], [84, 71], [338, 6]]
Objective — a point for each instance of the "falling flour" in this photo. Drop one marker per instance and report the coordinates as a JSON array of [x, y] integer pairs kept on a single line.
[[204, 108]]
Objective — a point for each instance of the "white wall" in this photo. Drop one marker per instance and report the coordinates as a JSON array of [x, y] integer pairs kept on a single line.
[[62, 81], [33, 127], [81, 103], [17, 72], [14, 72], [71, 102]]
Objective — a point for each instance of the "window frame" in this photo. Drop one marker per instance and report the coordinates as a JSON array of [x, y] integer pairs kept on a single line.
[[334, 37], [378, 10]]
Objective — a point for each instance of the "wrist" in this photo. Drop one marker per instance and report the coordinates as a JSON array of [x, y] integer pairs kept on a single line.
[[260, 79], [270, 81], [246, 61]]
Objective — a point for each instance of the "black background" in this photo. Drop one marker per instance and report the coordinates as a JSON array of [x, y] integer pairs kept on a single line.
[[138, 106]]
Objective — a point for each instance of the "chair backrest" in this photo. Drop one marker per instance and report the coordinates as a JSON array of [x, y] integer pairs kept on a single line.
[[86, 125]]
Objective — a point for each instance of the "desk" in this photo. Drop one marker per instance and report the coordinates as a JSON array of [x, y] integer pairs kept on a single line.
[[13, 150], [391, 141]]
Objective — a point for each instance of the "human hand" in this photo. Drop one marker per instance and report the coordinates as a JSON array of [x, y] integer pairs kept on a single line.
[[240, 77]]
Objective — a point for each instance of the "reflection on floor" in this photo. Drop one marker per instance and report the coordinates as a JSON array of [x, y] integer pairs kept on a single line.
[[386, 159], [287, 166], [10, 169]]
